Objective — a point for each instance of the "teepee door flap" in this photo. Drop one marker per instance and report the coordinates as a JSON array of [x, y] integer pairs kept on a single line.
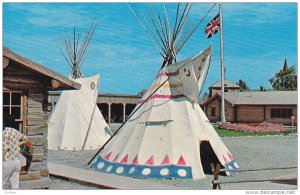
[[207, 156]]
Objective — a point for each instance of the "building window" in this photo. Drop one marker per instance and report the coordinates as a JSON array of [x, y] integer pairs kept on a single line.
[[12, 105], [213, 111], [281, 113]]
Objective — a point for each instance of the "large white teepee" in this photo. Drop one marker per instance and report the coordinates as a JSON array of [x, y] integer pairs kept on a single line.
[[167, 135], [76, 122]]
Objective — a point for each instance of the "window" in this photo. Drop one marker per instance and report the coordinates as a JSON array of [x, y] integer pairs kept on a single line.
[[12, 105], [213, 111], [281, 113]]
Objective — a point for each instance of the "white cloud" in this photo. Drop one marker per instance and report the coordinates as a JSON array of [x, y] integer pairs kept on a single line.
[[122, 53], [41, 14], [249, 13]]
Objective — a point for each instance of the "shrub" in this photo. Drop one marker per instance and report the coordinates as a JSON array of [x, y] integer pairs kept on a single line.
[[252, 128]]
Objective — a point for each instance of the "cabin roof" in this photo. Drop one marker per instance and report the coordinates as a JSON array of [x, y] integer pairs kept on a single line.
[[65, 83], [263, 97]]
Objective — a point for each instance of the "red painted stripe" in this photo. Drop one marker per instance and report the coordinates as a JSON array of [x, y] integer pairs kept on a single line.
[[166, 160], [168, 74], [107, 156], [150, 161], [124, 160], [225, 159], [181, 161], [229, 156], [135, 160], [159, 96], [115, 159]]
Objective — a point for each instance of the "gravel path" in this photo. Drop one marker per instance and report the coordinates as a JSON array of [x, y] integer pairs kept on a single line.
[[61, 184], [250, 152]]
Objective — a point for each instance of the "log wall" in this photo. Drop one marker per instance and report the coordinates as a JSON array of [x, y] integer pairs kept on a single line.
[[33, 81], [215, 103], [250, 114], [37, 117]]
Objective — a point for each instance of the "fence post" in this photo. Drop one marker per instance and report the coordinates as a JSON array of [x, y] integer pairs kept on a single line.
[[216, 172]]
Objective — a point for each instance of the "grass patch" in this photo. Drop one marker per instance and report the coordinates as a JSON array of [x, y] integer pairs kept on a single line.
[[230, 133]]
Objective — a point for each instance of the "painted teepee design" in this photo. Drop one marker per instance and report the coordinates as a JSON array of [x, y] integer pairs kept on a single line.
[[163, 136]]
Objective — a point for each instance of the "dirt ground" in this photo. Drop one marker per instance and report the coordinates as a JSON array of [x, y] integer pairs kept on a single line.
[[250, 152]]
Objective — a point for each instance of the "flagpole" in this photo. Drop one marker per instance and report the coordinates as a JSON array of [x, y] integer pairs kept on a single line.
[[222, 67]]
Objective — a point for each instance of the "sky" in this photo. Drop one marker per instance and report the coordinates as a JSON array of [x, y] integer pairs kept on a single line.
[[257, 39]]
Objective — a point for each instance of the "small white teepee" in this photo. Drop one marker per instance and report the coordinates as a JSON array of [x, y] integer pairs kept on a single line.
[[76, 122], [167, 135]]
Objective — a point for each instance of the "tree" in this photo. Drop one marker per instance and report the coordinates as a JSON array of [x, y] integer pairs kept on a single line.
[[243, 85], [262, 88], [285, 79]]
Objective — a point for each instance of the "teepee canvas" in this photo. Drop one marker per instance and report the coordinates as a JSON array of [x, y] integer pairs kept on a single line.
[[167, 135], [163, 138], [76, 122]]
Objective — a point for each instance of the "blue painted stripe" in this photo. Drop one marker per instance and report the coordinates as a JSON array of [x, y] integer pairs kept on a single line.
[[231, 165], [142, 171]]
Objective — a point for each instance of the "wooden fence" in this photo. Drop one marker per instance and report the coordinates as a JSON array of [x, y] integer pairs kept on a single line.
[[217, 170]]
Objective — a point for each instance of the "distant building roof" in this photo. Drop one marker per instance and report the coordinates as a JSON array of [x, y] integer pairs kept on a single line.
[[258, 98], [227, 84], [119, 95], [262, 97]]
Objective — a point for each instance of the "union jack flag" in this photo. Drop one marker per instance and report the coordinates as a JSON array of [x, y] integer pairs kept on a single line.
[[213, 27]]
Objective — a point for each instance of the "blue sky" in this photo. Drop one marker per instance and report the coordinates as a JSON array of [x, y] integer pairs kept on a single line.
[[257, 39]]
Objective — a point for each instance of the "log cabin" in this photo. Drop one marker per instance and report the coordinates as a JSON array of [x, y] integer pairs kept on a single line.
[[25, 96], [254, 107]]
